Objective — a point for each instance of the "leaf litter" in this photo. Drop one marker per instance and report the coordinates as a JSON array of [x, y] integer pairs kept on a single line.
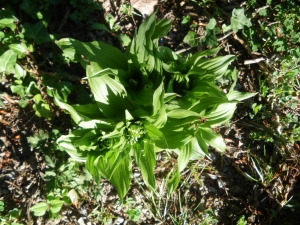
[[219, 184]]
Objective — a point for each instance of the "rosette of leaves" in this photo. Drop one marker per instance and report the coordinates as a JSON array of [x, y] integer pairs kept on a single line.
[[146, 100]]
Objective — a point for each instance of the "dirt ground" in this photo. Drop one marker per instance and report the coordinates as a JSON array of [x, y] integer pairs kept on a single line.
[[225, 187]]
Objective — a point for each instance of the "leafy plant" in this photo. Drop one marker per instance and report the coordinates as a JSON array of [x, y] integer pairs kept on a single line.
[[238, 21], [83, 9], [146, 100], [53, 204], [242, 221], [11, 217], [113, 28]]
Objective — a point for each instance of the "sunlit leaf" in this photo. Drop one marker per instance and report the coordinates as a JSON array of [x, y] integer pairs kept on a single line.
[[7, 61]]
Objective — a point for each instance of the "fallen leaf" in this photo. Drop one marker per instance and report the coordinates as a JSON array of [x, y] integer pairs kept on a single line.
[[145, 7]]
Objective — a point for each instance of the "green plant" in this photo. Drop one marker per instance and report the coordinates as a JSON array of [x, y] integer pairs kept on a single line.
[[53, 204], [146, 100], [83, 9], [242, 221], [238, 21], [11, 217], [113, 28]]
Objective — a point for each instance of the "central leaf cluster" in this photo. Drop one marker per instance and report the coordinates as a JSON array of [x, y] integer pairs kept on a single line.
[[147, 100]]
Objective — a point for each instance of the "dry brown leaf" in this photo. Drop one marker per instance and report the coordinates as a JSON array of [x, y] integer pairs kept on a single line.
[[145, 7]]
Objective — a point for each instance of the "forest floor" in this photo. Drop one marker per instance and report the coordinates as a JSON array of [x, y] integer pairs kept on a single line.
[[224, 189]]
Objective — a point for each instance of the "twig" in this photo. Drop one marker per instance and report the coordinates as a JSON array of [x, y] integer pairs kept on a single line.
[[63, 22], [252, 61], [261, 65], [261, 8], [183, 50], [225, 36]]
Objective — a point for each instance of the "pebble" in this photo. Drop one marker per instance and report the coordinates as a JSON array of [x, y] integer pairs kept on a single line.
[[212, 156], [81, 221], [211, 189], [118, 221]]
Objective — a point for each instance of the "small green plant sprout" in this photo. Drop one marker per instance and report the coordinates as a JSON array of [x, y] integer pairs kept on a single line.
[[186, 19], [53, 204], [147, 100], [128, 10], [238, 22], [113, 28], [12, 216], [242, 221]]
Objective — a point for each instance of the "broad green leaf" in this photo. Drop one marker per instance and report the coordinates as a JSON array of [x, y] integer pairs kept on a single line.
[[158, 99], [55, 205], [32, 9], [88, 111], [7, 62], [124, 39], [190, 39], [88, 141], [184, 156], [153, 132], [42, 109], [24, 101], [20, 49], [14, 213], [182, 113], [110, 20], [210, 38], [145, 158], [177, 132], [20, 73], [211, 24], [110, 95], [32, 88], [39, 209], [116, 167], [239, 20], [211, 138], [106, 56], [214, 67], [162, 27], [173, 182], [207, 104], [239, 96], [220, 114], [196, 57], [75, 116], [73, 196], [199, 147], [7, 19], [66, 142], [18, 89], [100, 26], [203, 88], [37, 32], [2, 206], [141, 48], [167, 55], [92, 155], [64, 88], [159, 120]]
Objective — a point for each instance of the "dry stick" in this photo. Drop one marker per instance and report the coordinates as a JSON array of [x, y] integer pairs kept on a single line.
[[262, 65], [64, 19]]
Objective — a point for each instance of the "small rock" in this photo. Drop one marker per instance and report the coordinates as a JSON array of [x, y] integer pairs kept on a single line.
[[81, 221], [212, 156], [118, 220], [211, 189]]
